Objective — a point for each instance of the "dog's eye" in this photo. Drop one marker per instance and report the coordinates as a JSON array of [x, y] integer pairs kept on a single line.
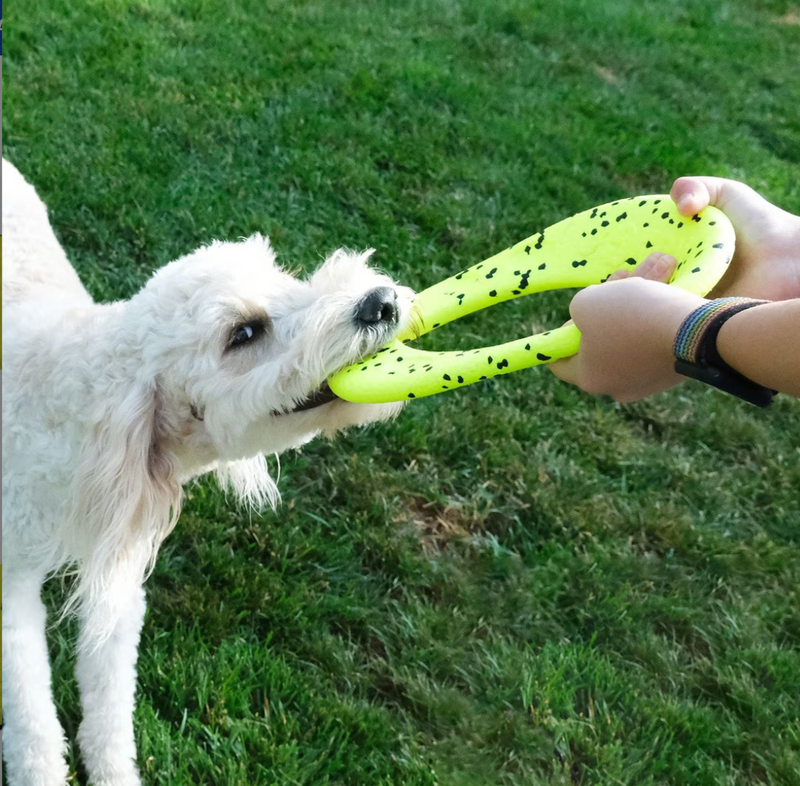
[[245, 333]]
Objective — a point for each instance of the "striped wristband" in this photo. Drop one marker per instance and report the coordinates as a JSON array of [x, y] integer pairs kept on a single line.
[[696, 354]]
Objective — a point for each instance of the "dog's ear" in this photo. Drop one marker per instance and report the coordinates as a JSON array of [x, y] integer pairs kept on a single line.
[[126, 498]]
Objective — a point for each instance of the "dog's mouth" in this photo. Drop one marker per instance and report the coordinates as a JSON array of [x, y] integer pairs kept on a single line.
[[322, 395], [317, 398]]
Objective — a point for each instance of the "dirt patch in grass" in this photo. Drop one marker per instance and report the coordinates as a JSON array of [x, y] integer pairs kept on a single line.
[[435, 526]]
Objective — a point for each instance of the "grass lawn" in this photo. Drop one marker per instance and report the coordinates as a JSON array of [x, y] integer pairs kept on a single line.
[[512, 584]]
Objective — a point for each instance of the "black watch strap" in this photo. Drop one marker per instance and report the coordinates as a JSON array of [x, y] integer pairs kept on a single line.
[[696, 353]]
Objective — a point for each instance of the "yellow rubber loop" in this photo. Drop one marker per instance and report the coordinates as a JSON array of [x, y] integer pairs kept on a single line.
[[576, 252]]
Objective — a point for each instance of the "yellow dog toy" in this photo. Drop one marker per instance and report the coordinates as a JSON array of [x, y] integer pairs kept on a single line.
[[576, 252]]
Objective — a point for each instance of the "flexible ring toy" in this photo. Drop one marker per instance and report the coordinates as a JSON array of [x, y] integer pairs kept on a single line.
[[576, 252]]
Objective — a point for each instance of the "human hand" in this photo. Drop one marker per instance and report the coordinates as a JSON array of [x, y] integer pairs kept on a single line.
[[628, 326], [766, 263]]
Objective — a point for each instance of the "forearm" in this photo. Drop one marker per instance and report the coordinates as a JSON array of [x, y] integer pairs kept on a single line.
[[763, 343]]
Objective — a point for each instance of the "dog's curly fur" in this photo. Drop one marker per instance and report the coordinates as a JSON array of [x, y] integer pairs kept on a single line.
[[108, 409]]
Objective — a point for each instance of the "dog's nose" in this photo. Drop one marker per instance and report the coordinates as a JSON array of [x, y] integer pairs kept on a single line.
[[378, 306]]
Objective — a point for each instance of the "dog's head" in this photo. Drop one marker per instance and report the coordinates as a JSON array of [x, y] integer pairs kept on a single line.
[[241, 349], [220, 359]]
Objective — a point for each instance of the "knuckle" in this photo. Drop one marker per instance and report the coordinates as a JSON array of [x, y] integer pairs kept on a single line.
[[582, 300]]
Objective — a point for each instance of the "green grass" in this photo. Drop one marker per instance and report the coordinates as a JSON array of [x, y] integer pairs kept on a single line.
[[513, 584]]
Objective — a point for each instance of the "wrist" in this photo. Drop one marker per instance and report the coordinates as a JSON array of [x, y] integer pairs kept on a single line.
[[697, 354], [663, 313]]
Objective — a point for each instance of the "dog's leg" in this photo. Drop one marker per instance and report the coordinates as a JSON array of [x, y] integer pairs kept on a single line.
[[33, 740], [107, 680]]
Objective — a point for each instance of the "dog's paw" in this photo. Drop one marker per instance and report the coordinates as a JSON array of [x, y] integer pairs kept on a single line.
[[124, 780], [39, 762], [44, 772], [129, 776]]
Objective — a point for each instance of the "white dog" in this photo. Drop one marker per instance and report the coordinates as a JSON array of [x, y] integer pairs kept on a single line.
[[107, 409]]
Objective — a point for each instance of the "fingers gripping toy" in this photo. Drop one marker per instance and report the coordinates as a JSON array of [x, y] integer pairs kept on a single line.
[[576, 252]]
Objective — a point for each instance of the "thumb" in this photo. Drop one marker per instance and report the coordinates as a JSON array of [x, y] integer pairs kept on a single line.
[[567, 369], [737, 200]]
